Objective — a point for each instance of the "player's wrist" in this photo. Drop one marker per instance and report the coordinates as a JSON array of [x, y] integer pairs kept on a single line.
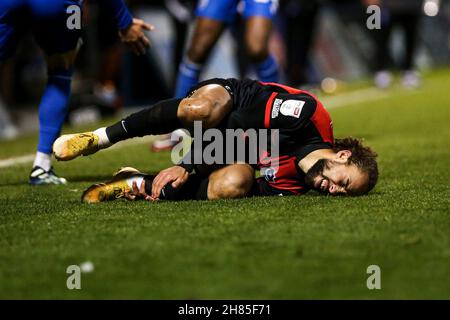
[[188, 167]]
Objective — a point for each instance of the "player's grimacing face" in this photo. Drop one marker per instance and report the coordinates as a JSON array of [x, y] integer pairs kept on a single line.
[[337, 178]]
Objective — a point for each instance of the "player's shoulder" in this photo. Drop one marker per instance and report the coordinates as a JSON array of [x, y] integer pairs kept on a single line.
[[243, 82]]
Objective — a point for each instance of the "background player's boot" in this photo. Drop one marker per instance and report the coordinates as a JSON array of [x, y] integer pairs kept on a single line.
[[411, 79], [168, 141], [111, 190], [70, 146], [39, 176], [383, 79]]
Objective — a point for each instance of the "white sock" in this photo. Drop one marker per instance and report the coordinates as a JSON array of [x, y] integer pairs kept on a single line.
[[43, 160], [137, 179], [103, 141]]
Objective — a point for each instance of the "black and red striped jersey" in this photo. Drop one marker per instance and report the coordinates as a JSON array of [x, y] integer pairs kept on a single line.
[[303, 125]]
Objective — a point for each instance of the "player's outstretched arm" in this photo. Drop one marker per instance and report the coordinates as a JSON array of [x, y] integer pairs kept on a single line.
[[131, 31]]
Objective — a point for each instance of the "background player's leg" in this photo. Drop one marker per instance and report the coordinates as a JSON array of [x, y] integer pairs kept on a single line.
[[212, 17], [52, 112], [53, 105], [257, 36], [206, 33], [410, 23], [382, 58], [9, 23], [60, 44]]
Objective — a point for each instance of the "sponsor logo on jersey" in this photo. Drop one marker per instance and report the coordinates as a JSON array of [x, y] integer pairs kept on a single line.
[[292, 108], [269, 174], [276, 108]]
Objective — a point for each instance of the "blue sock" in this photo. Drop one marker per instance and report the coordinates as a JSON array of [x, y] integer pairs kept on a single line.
[[53, 109], [188, 75], [267, 70]]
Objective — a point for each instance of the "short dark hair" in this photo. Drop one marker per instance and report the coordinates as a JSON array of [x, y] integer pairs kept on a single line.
[[363, 157]]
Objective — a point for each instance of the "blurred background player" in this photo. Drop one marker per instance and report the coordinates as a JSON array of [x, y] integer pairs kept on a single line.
[[48, 21], [181, 13], [406, 15], [298, 23], [212, 18]]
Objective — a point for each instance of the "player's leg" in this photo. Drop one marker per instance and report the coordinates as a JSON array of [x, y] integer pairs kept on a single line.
[[212, 17], [410, 22], [258, 29], [208, 104], [52, 113], [214, 182], [232, 181], [8, 40], [60, 45], [229, 182], [382, 58], [206, 34]]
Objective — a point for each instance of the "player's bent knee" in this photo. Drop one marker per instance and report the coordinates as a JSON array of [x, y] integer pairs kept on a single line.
[[195, 109], [233, 182]]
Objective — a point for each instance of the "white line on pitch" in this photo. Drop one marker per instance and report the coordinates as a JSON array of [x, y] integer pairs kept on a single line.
[[14, 161], [351, 98]]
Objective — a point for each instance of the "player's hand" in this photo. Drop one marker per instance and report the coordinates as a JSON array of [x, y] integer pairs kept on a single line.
[[176, 174], [137, 192], [134, 36]]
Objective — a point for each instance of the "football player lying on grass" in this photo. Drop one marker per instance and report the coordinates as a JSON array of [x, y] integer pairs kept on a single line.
[[308, 157]]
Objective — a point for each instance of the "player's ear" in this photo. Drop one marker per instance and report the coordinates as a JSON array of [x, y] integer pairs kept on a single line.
[[343, 155]]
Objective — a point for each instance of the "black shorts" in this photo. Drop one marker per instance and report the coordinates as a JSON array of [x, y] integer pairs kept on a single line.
[[243, 92], [249, 100]]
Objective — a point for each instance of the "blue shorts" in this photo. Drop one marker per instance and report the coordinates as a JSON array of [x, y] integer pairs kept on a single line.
[[226, 10], [46, 19]]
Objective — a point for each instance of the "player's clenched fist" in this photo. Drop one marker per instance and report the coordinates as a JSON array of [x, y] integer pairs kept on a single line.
[[134, 36]]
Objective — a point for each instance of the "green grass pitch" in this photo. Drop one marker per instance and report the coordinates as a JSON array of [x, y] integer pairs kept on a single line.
[[276, 248]]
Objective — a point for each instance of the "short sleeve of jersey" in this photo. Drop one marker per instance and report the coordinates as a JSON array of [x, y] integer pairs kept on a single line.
[[291, 112]]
